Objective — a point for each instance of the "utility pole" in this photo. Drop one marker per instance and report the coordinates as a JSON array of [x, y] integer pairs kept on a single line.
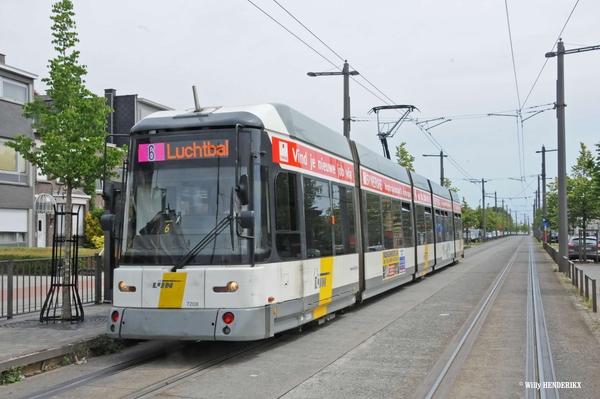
[[563, 228], [484, 238], [442, 156], [496, 213], [539, 204], [346, 73], [544, 208], [544, 151], [503, 225]]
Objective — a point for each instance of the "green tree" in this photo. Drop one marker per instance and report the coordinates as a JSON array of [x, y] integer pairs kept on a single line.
[[469, 217], [582, 192], [71, 127], [448, 185], [552, 204], [403, 157], [583, 204]]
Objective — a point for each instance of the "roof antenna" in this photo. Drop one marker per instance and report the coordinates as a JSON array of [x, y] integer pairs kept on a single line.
[[196, 103]]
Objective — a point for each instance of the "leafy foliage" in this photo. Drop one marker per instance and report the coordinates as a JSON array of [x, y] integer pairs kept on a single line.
[[11, 375], [71, 126], [93, 229], [403, 157], [583, 204], [106, 346], [448, 185], [583, 189]]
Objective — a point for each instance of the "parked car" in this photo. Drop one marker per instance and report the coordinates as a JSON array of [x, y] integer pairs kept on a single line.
[[590, 250], [553, 238], [475, 235]]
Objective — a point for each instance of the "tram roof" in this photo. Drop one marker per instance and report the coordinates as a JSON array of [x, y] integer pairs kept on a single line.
[[381, 164], [278, 118]]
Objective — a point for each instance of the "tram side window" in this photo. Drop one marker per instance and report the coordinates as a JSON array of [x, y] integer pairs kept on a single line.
[[439, 226], [407, 225], [449, 226], [429, 225], [388, 223], [373, 211], [286, 200], [397, 224], [317, 218], [457, 226], [421, 232], [344, 227]]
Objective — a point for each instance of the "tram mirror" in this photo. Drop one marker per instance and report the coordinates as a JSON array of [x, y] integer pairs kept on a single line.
[[107, 222], [242, 189], [246, 219]]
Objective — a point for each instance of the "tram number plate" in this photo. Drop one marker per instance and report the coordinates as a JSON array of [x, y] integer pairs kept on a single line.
[[193, 304]]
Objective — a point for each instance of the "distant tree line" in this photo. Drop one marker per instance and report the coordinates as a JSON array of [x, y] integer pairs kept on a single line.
[[583, 193]]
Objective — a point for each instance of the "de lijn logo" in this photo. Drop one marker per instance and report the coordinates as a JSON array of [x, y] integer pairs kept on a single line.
[[165, 283]]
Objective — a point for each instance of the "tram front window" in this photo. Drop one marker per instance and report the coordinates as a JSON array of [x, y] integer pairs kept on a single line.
[[174, 203]]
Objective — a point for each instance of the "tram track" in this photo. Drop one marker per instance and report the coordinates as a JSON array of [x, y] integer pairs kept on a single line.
[[155, 387], [539, 361], [540, 365], [440, 380], [193, 372]]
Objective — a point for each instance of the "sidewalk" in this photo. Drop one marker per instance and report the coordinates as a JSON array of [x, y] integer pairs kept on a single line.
[[25, 341]]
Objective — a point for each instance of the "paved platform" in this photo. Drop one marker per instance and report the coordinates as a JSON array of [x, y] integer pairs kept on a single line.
[[24, 340]]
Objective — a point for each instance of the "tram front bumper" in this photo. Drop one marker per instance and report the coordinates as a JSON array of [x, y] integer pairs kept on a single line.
[[190, 324]]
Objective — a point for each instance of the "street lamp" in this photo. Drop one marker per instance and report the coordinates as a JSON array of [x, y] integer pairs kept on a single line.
[[346, 73], [442, 156], [562, 157]]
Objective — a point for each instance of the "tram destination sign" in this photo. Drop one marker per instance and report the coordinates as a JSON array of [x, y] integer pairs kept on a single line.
[[201, 149]]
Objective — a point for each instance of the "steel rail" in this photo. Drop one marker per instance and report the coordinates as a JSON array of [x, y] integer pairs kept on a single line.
[[152, 389], [445, 378], [193, 372], [51, 392], [543, 354]]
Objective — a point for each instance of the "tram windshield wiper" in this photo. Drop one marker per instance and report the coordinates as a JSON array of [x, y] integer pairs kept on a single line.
[[203, 243]]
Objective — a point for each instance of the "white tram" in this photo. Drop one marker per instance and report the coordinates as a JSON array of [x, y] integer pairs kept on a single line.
[[242, 222]]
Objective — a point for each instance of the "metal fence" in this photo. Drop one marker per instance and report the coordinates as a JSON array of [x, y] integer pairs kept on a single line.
[[25, 283], [586, 284]]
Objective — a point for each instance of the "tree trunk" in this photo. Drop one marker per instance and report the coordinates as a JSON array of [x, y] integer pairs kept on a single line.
[[66, 294]]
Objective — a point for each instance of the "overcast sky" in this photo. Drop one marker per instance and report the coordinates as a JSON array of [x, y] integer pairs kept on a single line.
[[451, 59]]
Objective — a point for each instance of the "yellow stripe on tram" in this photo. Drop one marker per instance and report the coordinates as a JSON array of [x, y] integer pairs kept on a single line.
[[325, 286], [171, 290], [426, 259]]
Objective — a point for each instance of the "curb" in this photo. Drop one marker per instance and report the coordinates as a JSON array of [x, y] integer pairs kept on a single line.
[[47, 359]]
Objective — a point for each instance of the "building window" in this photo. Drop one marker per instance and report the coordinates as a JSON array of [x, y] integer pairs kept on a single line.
[[13, 228], [13, 167], [11, 237], [14, 91]]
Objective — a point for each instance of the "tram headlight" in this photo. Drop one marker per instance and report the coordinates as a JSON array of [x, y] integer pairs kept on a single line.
[[231, 286], [123, 287]]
